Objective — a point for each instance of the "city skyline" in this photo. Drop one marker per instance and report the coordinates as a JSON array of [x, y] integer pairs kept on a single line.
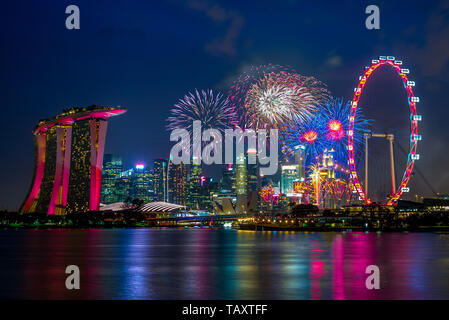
[[220, 157], [150, 80]]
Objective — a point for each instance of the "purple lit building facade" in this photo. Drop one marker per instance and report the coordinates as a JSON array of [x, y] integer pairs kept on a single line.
[[68, 161]]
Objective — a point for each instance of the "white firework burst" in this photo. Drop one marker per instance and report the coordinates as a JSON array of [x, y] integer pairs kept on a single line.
[[211, 109], [277, 98]]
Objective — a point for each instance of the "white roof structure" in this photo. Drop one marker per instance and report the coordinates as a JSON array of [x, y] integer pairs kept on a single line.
[[117, 206], [160, 206]]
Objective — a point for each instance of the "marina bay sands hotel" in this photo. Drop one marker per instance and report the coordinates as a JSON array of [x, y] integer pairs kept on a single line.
[[68, 161]]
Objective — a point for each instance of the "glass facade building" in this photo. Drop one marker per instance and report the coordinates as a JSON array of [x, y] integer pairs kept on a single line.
[[194, 188], [289, 175], [177, 191], [112, 167], [241, 175], [160, 179]]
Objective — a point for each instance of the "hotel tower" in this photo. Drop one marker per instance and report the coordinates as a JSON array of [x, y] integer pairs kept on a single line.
[[68, 161]]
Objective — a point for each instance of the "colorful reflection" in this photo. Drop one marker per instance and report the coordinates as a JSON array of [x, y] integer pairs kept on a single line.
[[222, 264]]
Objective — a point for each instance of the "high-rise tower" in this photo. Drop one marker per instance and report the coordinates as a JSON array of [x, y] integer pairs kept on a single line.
[[177, 189], [160, 179], [69, 156], [112, 167], [194, 188], [289, 175], [227, 179], [142, 183], [241, 175]]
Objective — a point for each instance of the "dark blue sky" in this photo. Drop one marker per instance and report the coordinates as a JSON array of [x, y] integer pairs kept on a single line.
[[145, 55]]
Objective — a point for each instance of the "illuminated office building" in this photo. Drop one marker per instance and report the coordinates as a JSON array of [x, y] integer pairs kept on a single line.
[[68, 161], [160, 179], [253, 173], [177, 190], [289, 175], [194, 187], [123, 188], [112, 167], [208, 188], [142, 183], [150, 178], [227, 179], [253, 178], [241, 175]]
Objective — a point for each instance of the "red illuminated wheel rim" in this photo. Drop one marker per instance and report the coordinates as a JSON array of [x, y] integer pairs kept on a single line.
[[414, 136]]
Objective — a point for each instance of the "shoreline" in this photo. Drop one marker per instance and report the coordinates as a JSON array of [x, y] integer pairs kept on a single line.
[[246, 227]]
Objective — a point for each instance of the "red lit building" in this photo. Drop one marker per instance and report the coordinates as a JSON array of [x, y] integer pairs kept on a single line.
[[68, 161]]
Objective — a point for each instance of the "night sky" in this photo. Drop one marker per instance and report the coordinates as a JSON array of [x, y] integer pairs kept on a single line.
[[145, 55]]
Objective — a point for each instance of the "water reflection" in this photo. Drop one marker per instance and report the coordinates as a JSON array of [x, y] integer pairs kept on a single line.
[[221, 264]]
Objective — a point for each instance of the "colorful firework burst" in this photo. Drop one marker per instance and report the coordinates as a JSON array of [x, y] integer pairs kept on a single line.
[[277, 98], [268, 95], [334, 117], [340, 191], [303, 140], [267, 193], [316, 88], [326, 131], [211, 109]]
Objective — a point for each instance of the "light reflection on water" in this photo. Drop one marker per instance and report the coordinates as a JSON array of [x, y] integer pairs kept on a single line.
[[221, 264]]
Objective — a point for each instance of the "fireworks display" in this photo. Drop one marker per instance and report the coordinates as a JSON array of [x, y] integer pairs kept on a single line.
[[340, 191], [316, 88], [266, 193], [211, 109], [324, 188], [267, 96], [334, 117], [313, 126], [276, 98], [327, 130], [303, 139]]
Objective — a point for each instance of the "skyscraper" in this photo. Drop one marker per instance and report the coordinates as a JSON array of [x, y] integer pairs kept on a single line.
[[141, 180], [208, 188], [160, 179], [193, 192], [253, 179], [69, 157], [177, 191], [253, 173], [227, 179], [241, 175], [112, 167], [122, 188], [151, 186], [289, 175]]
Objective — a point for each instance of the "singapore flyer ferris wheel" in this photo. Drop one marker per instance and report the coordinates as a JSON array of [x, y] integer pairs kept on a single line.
[[397, 190]]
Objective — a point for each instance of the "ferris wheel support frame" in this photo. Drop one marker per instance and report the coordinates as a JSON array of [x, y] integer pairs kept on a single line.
[[390, 139]]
